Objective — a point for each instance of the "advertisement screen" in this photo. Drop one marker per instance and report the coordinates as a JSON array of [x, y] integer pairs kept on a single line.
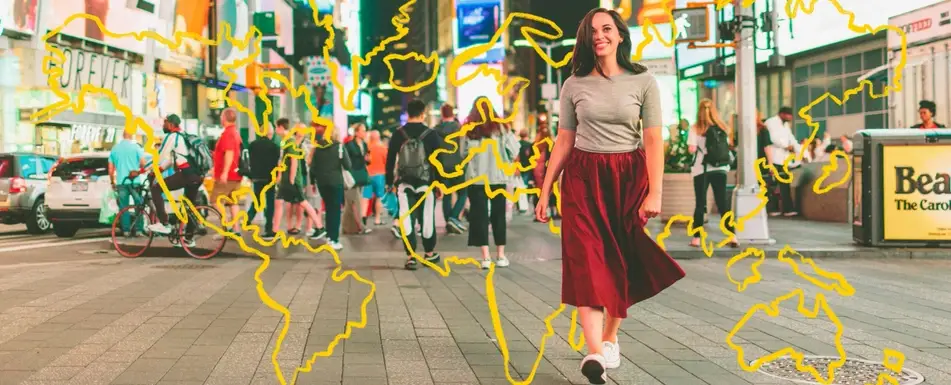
[[916, 192], [116, 14], [822, 27], [481, 85], [477, 21], [19, 15], [233, 13], [188, 59], [637, 12]]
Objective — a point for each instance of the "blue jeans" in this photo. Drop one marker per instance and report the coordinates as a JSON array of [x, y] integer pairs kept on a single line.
[[124, 193], [450, 209], [268, 205]]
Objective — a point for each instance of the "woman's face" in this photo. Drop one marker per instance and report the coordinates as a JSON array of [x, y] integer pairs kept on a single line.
[[360, 132], [605, 36]]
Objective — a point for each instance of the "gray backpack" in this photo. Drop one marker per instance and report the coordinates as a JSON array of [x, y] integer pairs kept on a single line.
[[412, 160]]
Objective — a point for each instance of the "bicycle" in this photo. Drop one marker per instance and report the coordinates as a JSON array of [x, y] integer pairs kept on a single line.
[[180, 235]]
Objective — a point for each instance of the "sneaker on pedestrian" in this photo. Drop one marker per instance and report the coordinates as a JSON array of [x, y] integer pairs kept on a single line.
[[318, 233], [336, 245], [366, 230], [592, 367], [502, 262], [453, 228], [459, 224], [396, 232], [486, 264], [791, 214], [411, 264], [160, 228], [612, 354], [268, 235], [434, 258]]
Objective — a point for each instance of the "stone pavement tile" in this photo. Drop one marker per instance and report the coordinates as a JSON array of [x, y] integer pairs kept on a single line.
[[56, 373], [100, 373], [363, 370], [724, 379], [453, 375], [14, 377], [194, 368], [132, 377], [206, 350], [228, 381], [31, 360], [363, 358]]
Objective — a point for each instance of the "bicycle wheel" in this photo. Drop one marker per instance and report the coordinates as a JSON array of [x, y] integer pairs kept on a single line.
[[135, 242], [205, 241]]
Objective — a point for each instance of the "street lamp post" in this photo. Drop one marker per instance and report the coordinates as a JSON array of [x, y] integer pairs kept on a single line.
[[746, 199]]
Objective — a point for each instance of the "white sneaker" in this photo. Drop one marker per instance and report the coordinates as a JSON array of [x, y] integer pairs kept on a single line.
[[612, 354], [486, 263], [160, 228], [592, 367], [502, 262], [336, 245]]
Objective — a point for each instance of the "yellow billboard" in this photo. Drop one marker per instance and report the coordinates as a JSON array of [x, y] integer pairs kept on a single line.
[[917, 192]]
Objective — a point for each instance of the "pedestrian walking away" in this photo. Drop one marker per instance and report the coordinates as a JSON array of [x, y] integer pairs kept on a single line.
[[411, 147], [489, 177], [327, 165], [452, 204], [609, 263], [265, 156]]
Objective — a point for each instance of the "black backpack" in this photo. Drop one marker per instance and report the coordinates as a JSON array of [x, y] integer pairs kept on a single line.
[[717, 151], [412, 161]]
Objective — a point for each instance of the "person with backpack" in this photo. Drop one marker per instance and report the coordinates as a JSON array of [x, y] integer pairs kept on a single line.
[[409, 170], [190, 159], [710, 140], [482, 212]]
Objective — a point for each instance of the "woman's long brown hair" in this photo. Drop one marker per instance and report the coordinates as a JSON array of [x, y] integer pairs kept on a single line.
[[488, 127], [707, 115]]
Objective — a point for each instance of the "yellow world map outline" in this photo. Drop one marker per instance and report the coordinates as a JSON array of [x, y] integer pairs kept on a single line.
[[229, 69]]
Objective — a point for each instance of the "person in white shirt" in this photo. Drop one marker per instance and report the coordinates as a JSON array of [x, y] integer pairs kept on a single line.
[[174, 154], [784, 145]]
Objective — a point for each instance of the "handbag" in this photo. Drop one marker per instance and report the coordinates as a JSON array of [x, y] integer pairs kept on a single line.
[[348, 181]]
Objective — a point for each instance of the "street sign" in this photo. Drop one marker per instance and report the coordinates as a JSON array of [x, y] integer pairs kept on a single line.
[[691, 24], [549, 91]]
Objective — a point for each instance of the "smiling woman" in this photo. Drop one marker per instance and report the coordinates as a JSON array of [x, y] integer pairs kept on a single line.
[[612, 182]]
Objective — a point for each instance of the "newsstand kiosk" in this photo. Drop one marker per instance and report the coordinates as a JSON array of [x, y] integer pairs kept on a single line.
[[900, 193]]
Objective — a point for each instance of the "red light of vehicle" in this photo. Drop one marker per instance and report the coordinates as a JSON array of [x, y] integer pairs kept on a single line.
[[17, 185]]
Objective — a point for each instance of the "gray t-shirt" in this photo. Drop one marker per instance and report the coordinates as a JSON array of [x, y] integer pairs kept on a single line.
[[605, 112]]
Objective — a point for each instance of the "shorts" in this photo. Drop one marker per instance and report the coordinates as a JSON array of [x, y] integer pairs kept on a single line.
[[291, 193], [376, 188], [225, 189]]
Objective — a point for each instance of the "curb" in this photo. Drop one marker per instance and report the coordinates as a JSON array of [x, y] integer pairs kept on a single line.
[[824, 253]]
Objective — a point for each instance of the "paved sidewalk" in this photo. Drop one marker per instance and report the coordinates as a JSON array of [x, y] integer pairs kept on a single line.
[[172, 320]]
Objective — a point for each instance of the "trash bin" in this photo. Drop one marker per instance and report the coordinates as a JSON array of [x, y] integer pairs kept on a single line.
[[900, 189]]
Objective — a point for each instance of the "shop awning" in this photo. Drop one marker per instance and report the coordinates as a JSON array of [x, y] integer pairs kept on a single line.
[[880, 73]]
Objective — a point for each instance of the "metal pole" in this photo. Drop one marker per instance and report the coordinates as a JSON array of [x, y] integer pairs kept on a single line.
[[756, 229]]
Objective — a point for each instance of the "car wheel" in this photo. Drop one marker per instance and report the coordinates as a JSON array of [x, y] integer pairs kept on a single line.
[[65, 230], [37, 222]]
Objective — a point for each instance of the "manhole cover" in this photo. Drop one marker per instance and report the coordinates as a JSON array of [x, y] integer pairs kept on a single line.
[[185, 267], [854, 372]]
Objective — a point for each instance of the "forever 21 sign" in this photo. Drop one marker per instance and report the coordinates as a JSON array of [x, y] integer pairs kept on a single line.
[[82, 67]]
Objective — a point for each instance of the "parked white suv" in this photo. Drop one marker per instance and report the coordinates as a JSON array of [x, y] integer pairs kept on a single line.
[[75, 189]]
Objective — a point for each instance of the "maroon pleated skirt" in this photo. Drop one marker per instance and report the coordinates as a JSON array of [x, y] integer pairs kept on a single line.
[[608, 260]]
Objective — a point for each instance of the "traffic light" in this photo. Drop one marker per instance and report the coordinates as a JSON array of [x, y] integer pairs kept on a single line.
[[726, 30]]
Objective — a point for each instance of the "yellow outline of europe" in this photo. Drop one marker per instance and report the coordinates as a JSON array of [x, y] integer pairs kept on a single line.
[[399, 21]]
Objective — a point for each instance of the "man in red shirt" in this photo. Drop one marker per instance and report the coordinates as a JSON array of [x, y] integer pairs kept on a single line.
[[226, 157]]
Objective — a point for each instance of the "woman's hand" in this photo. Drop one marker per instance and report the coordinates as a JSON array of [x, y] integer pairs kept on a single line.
[[541, 209], [651, 206]]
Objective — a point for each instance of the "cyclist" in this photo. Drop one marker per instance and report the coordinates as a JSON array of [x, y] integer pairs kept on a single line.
[[173, 154]]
